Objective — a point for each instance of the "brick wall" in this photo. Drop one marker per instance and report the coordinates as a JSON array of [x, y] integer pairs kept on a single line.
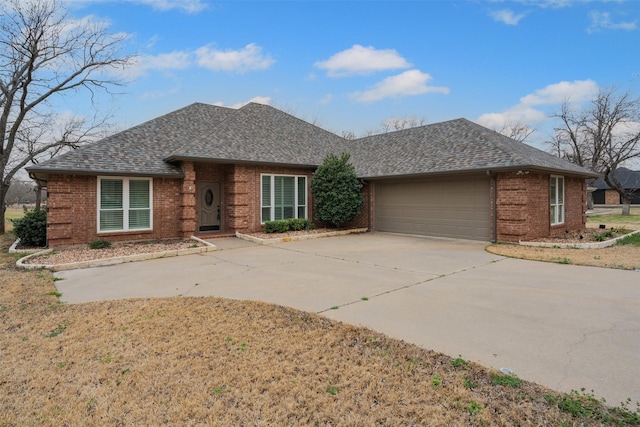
[[72, 211], [523, 207], [611, 197]]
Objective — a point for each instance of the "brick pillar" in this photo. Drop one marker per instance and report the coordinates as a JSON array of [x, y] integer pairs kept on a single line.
[[60, 214], [188, 201], [238, 202]]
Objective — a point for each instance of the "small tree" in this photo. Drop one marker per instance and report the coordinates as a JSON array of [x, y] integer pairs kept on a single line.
[[602, 136], [336, 190]]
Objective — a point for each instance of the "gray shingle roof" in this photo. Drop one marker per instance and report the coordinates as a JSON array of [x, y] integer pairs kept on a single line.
[[140, 149], [262, 134], [259, 133], [627, 177], [452, 146]]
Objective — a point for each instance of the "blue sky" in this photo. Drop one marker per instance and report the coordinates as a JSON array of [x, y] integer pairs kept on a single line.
[[350, 65]]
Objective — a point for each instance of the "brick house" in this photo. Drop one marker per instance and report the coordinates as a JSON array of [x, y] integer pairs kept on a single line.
[[209, 170], [605, 195]]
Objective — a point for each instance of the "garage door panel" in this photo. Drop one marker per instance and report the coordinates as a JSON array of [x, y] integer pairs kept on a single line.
[[454, 207]]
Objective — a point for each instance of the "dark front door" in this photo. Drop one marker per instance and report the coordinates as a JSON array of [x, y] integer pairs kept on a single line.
[[209, 206]]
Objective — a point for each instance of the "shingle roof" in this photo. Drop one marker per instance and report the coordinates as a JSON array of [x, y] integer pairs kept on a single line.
[[263, 134], [627, 177], [452, 146], [140, 149], [259, 133]]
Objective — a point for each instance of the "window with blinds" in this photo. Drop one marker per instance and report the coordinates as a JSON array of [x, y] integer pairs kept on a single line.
[[124, 204], [283, 197], [556, 196]]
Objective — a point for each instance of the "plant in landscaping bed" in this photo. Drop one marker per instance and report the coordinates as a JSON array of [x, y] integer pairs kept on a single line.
[[31, 228], [100, 244], [284, 225], [336, 190]]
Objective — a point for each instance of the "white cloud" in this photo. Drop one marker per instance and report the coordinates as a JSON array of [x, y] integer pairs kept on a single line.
[[360, 60], [188, 6], [575, 92], [603, 21], [507, 16], [409, 83], [249, 58], [142, 64], [257, 99]]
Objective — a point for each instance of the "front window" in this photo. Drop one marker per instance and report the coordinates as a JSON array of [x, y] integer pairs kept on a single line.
[[283, 197], [124, 204], [556, 193]]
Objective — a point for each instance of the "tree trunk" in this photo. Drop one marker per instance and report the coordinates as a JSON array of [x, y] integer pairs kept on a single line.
[[3, 207], [626, 205]]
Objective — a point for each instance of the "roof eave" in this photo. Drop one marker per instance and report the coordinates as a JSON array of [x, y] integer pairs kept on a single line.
[[42, 174], [178, 158], [487, 170]]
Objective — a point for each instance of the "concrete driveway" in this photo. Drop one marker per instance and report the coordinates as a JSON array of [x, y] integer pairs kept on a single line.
[[563, 326]]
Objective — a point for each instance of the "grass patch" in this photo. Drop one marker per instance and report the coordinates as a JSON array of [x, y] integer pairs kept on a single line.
[[634, 218], [505, 380], [214, 361], [633, 240]]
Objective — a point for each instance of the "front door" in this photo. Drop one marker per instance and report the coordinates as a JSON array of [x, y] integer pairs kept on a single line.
[[209, 206]]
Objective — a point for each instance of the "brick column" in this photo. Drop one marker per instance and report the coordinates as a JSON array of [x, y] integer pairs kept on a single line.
[[238, 202], [188, 201]]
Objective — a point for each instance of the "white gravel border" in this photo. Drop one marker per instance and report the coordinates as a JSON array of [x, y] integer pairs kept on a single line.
[[208, 247], [590, 245], [293, 238]]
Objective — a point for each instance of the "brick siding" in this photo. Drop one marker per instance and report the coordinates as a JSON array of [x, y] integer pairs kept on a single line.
[[611, 197], [72, 211], [523, 206]]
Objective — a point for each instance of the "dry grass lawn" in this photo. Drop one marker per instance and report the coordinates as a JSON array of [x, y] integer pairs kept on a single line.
[[620, 256], [210, 361]]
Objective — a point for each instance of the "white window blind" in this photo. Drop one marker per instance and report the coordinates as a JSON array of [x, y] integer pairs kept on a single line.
[[124, 204], [283, 197]]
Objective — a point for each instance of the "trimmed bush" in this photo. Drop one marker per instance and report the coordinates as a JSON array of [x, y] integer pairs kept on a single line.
[[336, 190], [31, 228], [284, 225]]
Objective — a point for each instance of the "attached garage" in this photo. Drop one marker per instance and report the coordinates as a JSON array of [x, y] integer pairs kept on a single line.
[[451, 206]]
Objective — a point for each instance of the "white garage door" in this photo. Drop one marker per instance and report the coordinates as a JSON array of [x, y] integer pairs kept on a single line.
[[458, 207]]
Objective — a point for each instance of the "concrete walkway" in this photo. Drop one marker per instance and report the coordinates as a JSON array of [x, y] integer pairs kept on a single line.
[[564, 326]]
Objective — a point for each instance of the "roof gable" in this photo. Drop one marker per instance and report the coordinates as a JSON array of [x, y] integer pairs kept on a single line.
[[258, 133], [262, 134], [452, 146], [627, 177], [142, 148]]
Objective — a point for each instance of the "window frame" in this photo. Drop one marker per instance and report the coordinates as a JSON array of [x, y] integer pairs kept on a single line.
[[297, 206], [556, 203], [126, 204]]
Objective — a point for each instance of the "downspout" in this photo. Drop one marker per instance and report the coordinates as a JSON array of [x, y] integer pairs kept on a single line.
[[494, 205]]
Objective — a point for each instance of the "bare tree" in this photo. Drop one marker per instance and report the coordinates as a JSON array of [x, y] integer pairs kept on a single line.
[[516, 130], [602, 136], [43, 57], [400, 123]]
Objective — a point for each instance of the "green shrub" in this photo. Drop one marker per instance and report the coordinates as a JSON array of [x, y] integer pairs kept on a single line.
[[336, 190], [284, 225], [297, 224], [279, 226], [100, 244], [31, 228]]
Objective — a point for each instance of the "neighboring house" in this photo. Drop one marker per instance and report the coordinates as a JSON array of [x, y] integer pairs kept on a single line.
[[604, 195], [208, 170]]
